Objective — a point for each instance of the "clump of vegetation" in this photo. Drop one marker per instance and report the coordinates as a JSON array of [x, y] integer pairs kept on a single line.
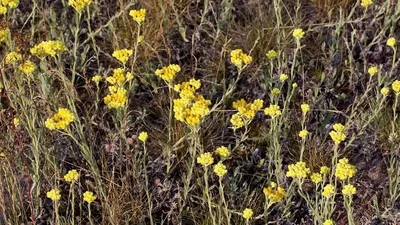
[[199, 112]]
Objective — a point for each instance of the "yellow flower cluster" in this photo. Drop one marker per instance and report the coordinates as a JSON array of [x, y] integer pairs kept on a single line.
[[338, 134], [97, 79], [54, 194], [316, 177], [116, 98], [28, 67], [345, 170], [272, 110], [16, 122], [71, 176], [298, 170], [168, 72], [373, 70], [275, 91], [118, 77], [325, 170], [143, 136], [89, 197], [223, 151], [271, 54], [46, 48], [3, 10], [366, 3], [10, 3], [328, 222], [298, 33], [385, 91], [190, 108], [303, 133], [4, 33], [283, 77], [205, 159], [13, 57], [220, 169], [79, 5], [349, 189], [305, 108], [238, 58], [247, 213], [274, 194], [138, 15], [246, 112], [60, 120], [122, 55], [391, 42], [328, 190], [396, 86]]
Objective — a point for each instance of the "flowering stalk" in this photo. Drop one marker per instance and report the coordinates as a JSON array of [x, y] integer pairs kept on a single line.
[[146, 176], [206, 190], [223, 201]]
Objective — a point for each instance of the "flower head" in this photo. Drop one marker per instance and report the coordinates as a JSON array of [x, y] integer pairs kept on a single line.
[[298, 170], [238, 58], [54, 194], [385, 91], [275, 91], [271, 54], [274, 194], [328, 222], [316, 177], [298, 33], [328, 190], [373, 70], [3, 10], [391, 42], [122, 55], [138, 15], [13, 57], [349, 189], [338, 134], [325, 170], [366, 3], [10, 3], [79, 5], [283, 77], [60, 120], [205, 159], [27, 67], [116, 98], [168, 72], [220, 169], [303, 133], [89, 197], [345, 170], [97, 79], [247, 213], [396, 86], [16, 122], [71, 176], [143, 136], [305, 108], [272, 110], [223, 151], [46, 48], [4, 33]]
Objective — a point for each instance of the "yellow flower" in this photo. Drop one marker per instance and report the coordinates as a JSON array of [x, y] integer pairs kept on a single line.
[[298, 170], [271, 54], [143, 136], [129, 76], [89, 197], [373, 70], [272, 110], [2, 154], [223, 151], [97, 79], [122, 55], [396, 86], [275, 91], [4, 33], [54, 194], [140, 38], [316, 177], [220, 169], [168, 72], [305, 108], [28, 67], [345, 170], [283, 77], [238, 58], [205, 159], [247, 213], [16, 122], [328, 190], [71, 176], [391, 42], [385, 91], [60, 120], [366, 3], [295, 85], [3, 10], [274, 194], [79, 5], [338, 127], [46, 48], [237, 121], [325, 170], [10, 3], [298, 33], [13, 57], [328, 222], [303, 133], [349, 189], [138, 15], [117, 98], [337, 134]]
